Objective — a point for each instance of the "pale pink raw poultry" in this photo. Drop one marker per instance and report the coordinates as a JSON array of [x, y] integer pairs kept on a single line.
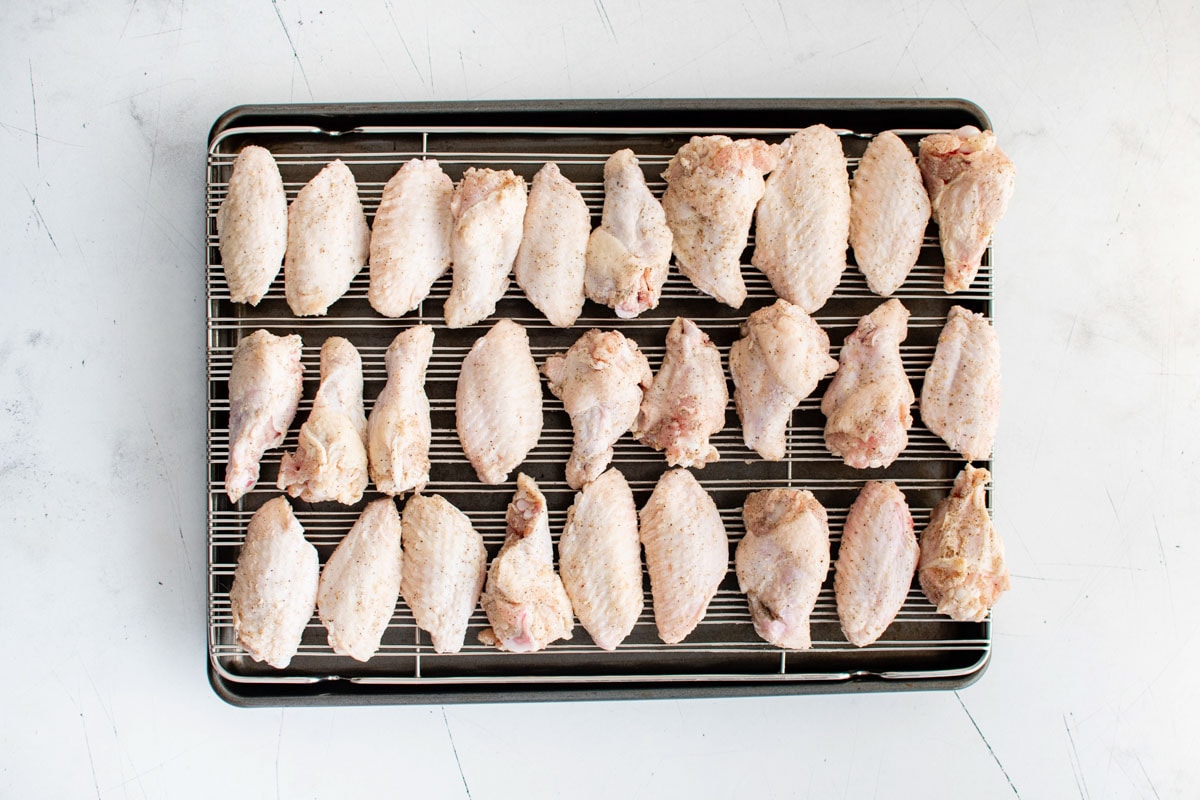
[[868, 404], [252, 225], [399, 431], [265, 385], [600, 381], [488, 208], [960, 400], [550, 262], [970, 181]]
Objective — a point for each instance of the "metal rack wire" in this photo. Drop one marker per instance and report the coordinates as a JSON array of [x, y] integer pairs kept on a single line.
[[724, 647]]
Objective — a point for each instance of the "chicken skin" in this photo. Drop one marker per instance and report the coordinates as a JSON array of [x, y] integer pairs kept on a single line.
[[804, 219], [550, 262], [498, 403], [685, 403], [962, 569], [330, 462], [782, 562], [687, 552], [868, 404], [600, 380], [410, 241], [960, 400], [398, 431], [274, 586], [713, 185], [629, 255], [524, 599], [970, 181], [600, 558], [488, 207], [876, 562], [782, 356], [445, 562], [889, 211], [265, 385], [361, 582], [328, 241], [252, 225]]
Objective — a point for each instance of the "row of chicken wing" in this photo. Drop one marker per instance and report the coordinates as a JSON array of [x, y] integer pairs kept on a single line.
[[488, 227], [437, 561]]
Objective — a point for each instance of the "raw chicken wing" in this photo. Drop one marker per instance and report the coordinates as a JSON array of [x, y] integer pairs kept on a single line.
[[398, 430], [804, 219], [889, 211], [780, 359], [550, 262], [330, 462], [713, 185], [600, 380], [876, 562], [410, 241], [969, 181], [962, 568], [328, 241], [782, 562], [361, 582], [687, 552], [960, 400], [444, 567], [274, 585], [499, 402], [685, 403], [629, 255], [600, 558], [488, 208], [524, 599], [265, 384], [867, 405], [252, 225]]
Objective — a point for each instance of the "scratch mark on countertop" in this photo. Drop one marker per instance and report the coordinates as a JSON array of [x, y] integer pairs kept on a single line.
[[562, 30], [291, 44], [41, 219], [27, 132], [37, 138], [1162, 554], [454, 749], [128, 17], [388, 6], [906, 50], [1076, 767], [987, 744], [87, 740], [429, 58], [603, 12], [783, 16], [278, 745], [1145, 774], [754, 24], [1033, 23]]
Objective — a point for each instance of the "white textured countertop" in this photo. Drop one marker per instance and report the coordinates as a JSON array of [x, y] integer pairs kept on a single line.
[[102, 571]]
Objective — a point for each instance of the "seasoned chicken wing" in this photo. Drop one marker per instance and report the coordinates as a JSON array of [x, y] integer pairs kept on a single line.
[[687, 552], [804, 219], [398, 431], [867, 405], [445, 562], [600, 558], [713, 185], [410, 241], [361, 582], [889, 211], [685, 403], [600, 380], [252, 225], [629, 255], [488, 208], [550, 262], [970, 181], [962, 569], [265, 384], [330, 462], [960, 400], [524, 599], [498, 403], [328, 241], [274, 586], [780, 359], [876, 562], [782, 562]]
